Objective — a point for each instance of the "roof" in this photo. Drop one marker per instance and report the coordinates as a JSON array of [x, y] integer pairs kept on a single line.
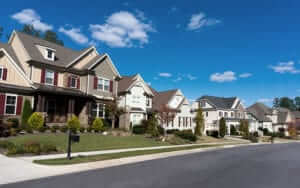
[[163, 98], [219, 102], [15, 89], [125, 83], [260, 111], [11, 52], [58, 90], [93, 61], [63, 56]]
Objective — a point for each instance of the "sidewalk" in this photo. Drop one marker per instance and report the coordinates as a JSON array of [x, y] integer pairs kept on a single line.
[[55, 156]]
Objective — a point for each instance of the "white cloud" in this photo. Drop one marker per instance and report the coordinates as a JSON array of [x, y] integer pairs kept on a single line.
[[227, 76], [29, 16], [285, 67], [265, 100], [200, 20], [191, 77], [245, 75], [75, 34], [165, 74], [177, 79], [122, 29]]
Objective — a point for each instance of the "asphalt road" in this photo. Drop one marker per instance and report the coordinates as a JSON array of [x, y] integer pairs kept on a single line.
[[264, 166]]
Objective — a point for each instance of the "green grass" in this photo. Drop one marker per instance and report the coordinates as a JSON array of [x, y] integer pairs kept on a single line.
[[85, 159], [89, 141]]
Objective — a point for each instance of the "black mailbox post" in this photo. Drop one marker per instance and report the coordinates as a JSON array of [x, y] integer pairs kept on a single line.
[[71, 138]]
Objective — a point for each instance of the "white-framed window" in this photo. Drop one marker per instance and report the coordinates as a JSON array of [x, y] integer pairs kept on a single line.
[[73, 82], [103, 84], [202, 103], [98, 110], [221, 114], [10, 104], [226, 114], [206, 114], [49, 77], [1, 73], [50, 54], [148, 102]]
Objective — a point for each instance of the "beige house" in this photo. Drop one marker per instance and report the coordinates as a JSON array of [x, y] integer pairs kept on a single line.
[[57, 80]]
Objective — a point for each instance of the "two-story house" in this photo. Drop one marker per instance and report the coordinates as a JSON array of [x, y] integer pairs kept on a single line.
[[176, 102], [215, 108], [135, 96], [272, 119], [57, 80]]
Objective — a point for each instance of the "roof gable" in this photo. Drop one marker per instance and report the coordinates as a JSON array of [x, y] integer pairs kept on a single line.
[[220, 102], [127, 82]]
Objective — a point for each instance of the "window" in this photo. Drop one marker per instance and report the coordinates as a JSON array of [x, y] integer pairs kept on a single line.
[[73, 82], [206, 114], [226, 114], [49, 77], [103, 84], [98, 110], [50, 55], [10, 105], [232, 114], [1, 73], [148, 102], [221, 114]]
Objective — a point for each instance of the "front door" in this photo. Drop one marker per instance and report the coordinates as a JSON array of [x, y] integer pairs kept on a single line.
[[51, 109]]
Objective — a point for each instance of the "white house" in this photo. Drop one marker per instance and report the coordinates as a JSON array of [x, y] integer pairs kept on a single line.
[[177, 102], [135, 96], [215, 108]]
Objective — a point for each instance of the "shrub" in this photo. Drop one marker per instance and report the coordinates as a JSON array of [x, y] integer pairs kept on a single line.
[[161, 130], [14, 122], [53, 129], [266, 132], [32, 147], [56, 127], [187, 135], [255, 134], [152, 125], [26, 113], [74, 124], [106, 124], [42, 129], [97, 125], [63, 129], [213, 133], [253, 138], [16, 149], [172, 131], [82, 129], [89, 129], [48, 148], [36, 121], [233, 130], [4, 144], [222, 128], [13, 132], [139, 129]]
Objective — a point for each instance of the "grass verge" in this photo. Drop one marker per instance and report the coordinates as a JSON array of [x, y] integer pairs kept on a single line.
[[85, 159]]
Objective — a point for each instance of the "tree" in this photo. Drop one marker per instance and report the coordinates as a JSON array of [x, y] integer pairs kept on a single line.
[[222, 127], [199, 120], [165, 115], [51, 36], [297, 103], [114, 111], [292, 130], [97, 124], [152, 126], [30, 30], [244, 128], [26, 113], [36, 121], [276, 102], [288, 103]]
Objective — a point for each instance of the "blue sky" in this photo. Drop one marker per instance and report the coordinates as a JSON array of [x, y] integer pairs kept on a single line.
[[248, 49]]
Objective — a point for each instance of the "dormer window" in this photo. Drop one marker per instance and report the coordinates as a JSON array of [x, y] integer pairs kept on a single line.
[[50, 54]]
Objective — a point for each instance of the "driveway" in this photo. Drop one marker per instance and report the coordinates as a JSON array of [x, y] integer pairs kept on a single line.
[[257, 166]]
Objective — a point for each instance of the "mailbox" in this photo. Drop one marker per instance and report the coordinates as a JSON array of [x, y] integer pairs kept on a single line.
[[75, 138]]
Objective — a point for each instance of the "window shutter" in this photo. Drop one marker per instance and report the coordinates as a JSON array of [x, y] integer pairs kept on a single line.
[[4, 74], [78, 83], [19, 105], [95, 82], [55, 78], [2, 103], [43, 76], [111, 86], [69, 81]]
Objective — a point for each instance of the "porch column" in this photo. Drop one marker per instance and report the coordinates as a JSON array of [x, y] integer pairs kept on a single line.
[[40, 104], [71, 108]]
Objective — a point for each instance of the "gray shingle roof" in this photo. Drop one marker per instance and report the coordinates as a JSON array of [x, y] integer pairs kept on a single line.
[[260, 111], [64, 56], [11, 52], [125, 83], [92, 61], [219, 102], [163, 98]]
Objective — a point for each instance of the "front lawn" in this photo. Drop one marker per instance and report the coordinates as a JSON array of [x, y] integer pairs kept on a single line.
[[85, 159], [89, 141]]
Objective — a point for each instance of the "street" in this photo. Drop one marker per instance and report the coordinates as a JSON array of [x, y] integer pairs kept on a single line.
[[260, 166]]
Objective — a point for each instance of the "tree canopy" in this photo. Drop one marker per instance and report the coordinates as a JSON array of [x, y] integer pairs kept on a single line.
[[286, 102]]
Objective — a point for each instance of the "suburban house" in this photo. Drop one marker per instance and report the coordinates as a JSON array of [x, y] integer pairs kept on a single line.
[[57, 80], [272, 119], [135, 96], [215, 108], [174, 101]]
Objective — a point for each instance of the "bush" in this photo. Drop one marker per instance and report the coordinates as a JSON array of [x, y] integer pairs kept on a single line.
[[16, 149], [233, 130], [74, 124], [48, 148], [266, 132], [152, 125], [63, 129], [106, 124], [161, 130], [172, 131], [213, 133], [42, 129], [255, 134], [187, 135], [36, 121], [97, 125], [4, 144], [253, 138], [53, 129], [14, 122], [32, 147], [139, 129], [26, 113], [222, 127], [82, 129], [89, 129]]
